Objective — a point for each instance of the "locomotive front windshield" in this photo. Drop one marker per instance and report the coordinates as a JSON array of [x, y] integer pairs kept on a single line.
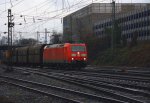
[[78, 48]]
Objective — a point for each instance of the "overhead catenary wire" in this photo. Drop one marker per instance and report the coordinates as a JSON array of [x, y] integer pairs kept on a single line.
[[8, 2], [28, 9], [68, 9], [42, 17], [54, 11], [47, 18], [57, 10], [55, 16], [42, 24], [79, 2], [12, 7], [39, 7], [11, 3]]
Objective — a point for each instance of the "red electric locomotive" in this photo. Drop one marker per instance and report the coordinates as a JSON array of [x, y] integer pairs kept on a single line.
[[74, 55], [63, 55]]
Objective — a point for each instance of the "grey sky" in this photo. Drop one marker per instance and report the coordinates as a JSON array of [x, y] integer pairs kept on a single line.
[[40, 14]]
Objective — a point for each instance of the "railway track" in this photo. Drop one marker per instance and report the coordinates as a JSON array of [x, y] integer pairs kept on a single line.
[[38, 87], [122, 80], [105, 84], [139, 72], [131, 74], [117, 92], [112, 76], [116, 68], [132, 83], [135, 75], [132, 80], [39, 91]]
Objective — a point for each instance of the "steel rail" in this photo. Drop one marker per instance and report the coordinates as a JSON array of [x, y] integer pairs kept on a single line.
[[109, 85], [97, 85], [123, 77], [40, 91], [143, 87], [100, 98], [126, 84]]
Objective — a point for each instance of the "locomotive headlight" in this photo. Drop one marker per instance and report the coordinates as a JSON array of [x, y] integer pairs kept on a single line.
[[84, 59], [73, 55], [78, 53], [72, 58]]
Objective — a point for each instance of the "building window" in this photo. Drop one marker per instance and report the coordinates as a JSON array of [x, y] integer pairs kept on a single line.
[[148, 33], [139, 33], [148, 22], [136, 17], [127, 27], [145, 33], [131, 26], [144, 23], [132, 17], [126, 19], [140, 15], [102, 25], [148, 12], [99, 26], [107, 24], [96, 26], [131, 35], [138, 25], [145, 13], [141, 24]]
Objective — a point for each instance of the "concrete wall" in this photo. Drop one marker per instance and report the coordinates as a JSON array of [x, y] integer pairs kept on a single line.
[[81, 23]]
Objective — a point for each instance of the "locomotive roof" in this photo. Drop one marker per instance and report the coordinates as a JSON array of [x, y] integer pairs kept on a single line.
[[60, 45], [54, 45]]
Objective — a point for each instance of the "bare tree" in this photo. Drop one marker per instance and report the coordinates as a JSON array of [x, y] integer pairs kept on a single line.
[[56, 37], [29, 41]]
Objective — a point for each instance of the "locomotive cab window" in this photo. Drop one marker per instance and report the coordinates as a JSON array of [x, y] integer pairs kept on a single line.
[[78, 48]]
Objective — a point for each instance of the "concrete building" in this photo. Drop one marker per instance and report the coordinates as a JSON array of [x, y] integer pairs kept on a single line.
[[132, 23], [82, 22]]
